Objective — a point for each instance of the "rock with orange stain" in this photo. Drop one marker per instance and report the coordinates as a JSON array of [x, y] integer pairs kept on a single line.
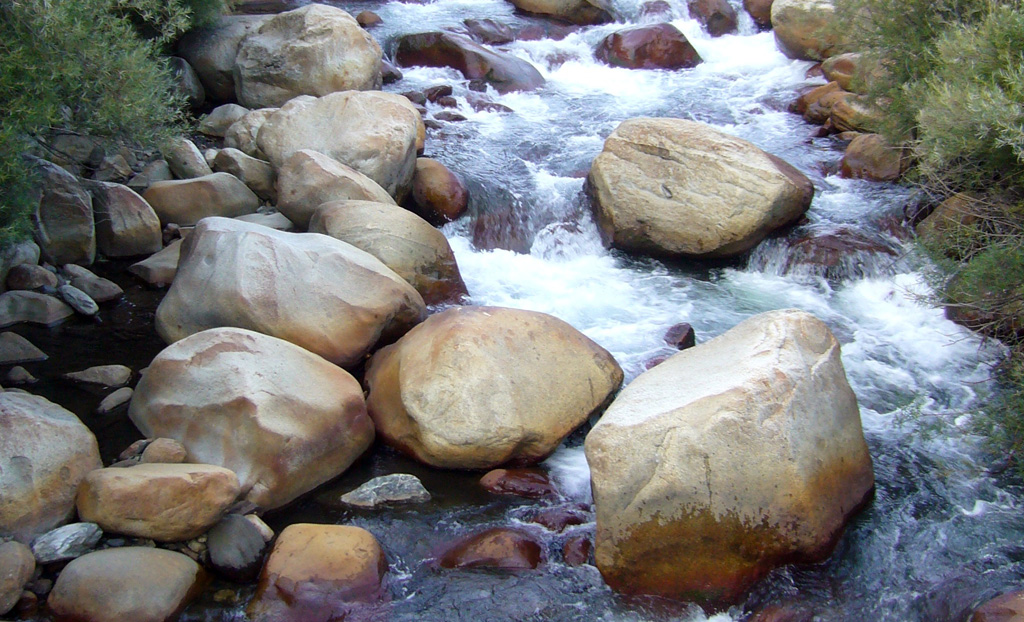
[[528, 483], [500, 547]]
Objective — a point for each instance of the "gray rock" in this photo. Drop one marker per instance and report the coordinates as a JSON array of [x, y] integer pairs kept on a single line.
[[32, 307], [30, 277], [16, 349], [126, 225], [16, 568], [396, 488], [221, 118], [63, 218], [274, 220], [187, 81], [113, 168], [67, 542], [236, 548], [20, 375], [78, 300], [97, 288], [212, 50], [114, 400], [187, 201], [112, 376], [155, 171], [184, 158], [15, 255], [258, 175]]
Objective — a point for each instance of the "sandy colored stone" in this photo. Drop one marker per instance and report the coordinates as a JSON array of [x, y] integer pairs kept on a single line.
[[184, 158], [16, 567], [242, 133], [126, 224], [221, 118], [112, 376], [801, 28], [115, 400], [164, 451], [870, 156], [579, 12], [16, 349], [212, 51], [159, 268], [185, 202], [258, 175], [308, 179], [32, 307]]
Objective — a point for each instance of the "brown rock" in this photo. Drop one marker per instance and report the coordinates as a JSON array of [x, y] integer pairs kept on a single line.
[[681, 336], [1006, 608], [579, 12], [782, 613], [760, 11], [853, 114], [661, 46], [500, 547], [527, 483], [187, 201], [869, 156], [559, 518], [164, 451], [126, 225], [952, 215], [368, 19], [258, 175], [804, 29], [221, 118], [811, 96], [184, 158], [576, 550], [16, 567], [63, 219], [506, 73], [309, 179], [30, 277], [489, 31], [439, 194], [717, 16], [34, 308]]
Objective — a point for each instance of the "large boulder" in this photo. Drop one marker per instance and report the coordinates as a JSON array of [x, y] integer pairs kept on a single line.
[[478, 387], [212, 51], [45, 451], [660, 46], [163, 502], [312, 290], [805, 29], [760, 11], [319, 572], [372, 132], [308, 179], [680, 188], [283, 419], [130, 584], [735, 456], [159, 268], [313, 50], [126, 224], [506, 73], [580, 12], [63, 217], [403, 241], [186, 201]]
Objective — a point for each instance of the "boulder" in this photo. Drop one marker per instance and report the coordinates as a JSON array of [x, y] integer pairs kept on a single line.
[[950, 217], [576, 550], [527, 483], [221, 118], [680, 188], [580, 12], [111, 376], [130, 584], [312, 290], [717, 16], [313, 50], [31, 277], [319, 572], [854, 113], [126, 224], [760, 11], [816, 105], [386, 489], [499, 547], [212, 50], [505, 72], [258, 175], [308, 179], [45, 451], [236, 548], [374, 133], [160, 268], [401, 240], [187, 82], [1006, 608], [163, 502], [738, 455], [843, 69], [63, 218], [660, 46], [478, 387], [283, 419], [869, 156], [243, 133], [184, 158], [185, 202], [34, 308], [16, 568], [164, 451], [66, 543], [440, 196], [804, 29], [15, 349]]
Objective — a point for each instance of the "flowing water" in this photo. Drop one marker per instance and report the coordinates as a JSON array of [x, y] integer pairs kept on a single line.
[[942, 531]]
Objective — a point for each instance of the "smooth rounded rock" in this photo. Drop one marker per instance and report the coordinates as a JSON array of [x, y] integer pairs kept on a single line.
[[184, 158], [660, 46], [526, 483], [164, 451], [1006, 608], [212, 50], [581, 12], [16, 568], [717, 16], [760, 11], [500, 547], [30, 277], [505, 72], [440, 195], [870, 156], [804, 29], [221, 118], [115, 400], [126, 224], [187, 201], [63, 220], [78, 300], [16, 349], [308, 179], [258, 175], [243, 133], [159, 268]]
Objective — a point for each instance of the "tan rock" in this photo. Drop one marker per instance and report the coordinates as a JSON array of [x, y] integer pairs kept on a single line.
[[440, 195], [321, 569], [870, 156], [34, 308], [45, 451], [274, 220], [680, 188], [478, 387], [212, 51], [242, 133], [126, 225], [187, 201], [372, 132], [16, 349], [313, 50], [579, 12], [153, 172], [115, 400], [403, 241], [308, 179], [949, 217], [130, 584], [283, 419], [258, 175], [160, 268], [184, 158], [738, 455], [164, 451], [221, 118], [16, 567], [112, 376], [802, 28], [163, 502], [30, 277], [1008, 607], [854, 114]]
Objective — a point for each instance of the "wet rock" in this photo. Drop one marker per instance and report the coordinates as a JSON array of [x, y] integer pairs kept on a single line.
[[478, 387], [1006, 608], [853, 113], [66, 543], [368, 19], [221, 118], [439, 195], [838, 254], [63, 219], [389, 73], [32, 307], [506, 73], [130, 584], [816, 105], [256, 174], [449, 117], [164, 451], [681, 336], [236, 548], [503, 228], [395, 488], [313, 50], [112, 376], [319, 572], [401, 240], [160, 268], [489, 31], [526, 483], [243, 133], [804, 29], [282, 418], [153, 172], [579, 12], [717, 16], [162, 502], [659, 188], [309, 179], [78, 300], [16, 349], [576, 550], [481, 103], [187, 201], [760, 11], [45, 451], [734, 515], [184, 158], [115, 400], [16, 568], [30, 277], [334, 299], [559, 518], [375, 133], [19, 375], [870, 156], [126, 224], [500, 547], [212, 50], [782, 613]]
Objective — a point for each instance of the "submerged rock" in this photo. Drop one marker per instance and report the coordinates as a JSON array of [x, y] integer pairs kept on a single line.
[[500, 547], [660, 46], [717, 16], [439, 195], [396, 488], [527, 483]]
